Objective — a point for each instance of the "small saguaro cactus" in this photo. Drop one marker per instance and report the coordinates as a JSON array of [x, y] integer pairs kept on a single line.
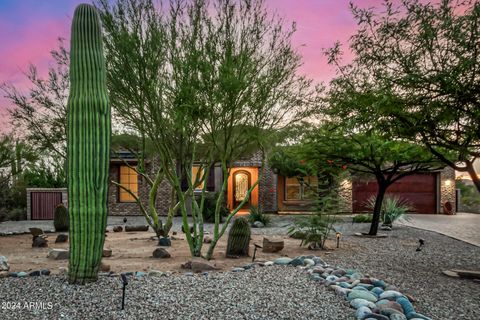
[[88, 146], [60, 218], [239, 238]]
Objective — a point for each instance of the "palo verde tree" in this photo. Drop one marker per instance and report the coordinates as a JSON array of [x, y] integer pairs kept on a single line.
[[88, 146], [210, 81], [424, 59], [372, 154]]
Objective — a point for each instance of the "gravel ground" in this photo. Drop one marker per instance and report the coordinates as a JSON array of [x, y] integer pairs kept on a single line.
[[269, 292], [264, 293], [418, 273]]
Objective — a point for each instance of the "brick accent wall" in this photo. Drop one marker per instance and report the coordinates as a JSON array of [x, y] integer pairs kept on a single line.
[[117, 208], [267, 197]]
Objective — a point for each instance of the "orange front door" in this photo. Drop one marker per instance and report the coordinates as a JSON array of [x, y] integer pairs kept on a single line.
[[239, 182]]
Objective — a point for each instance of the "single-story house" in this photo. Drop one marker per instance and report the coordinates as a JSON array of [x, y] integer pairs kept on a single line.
[[426, 192]]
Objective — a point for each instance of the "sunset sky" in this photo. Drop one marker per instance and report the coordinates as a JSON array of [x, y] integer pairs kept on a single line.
[[29, 30]]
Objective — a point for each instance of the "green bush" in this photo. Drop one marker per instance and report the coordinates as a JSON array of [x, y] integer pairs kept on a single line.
[[257, 214], [209, 208], [362, 218], [17, 214], [313, 230], [60, 218], [238, 238]]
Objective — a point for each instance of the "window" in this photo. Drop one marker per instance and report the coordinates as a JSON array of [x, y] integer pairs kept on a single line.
[[301, 188], [128, 179], [194, 176]]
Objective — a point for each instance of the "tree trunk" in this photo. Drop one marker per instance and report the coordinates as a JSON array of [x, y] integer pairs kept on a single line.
[[377, 210], [473, 174], [88, 146]]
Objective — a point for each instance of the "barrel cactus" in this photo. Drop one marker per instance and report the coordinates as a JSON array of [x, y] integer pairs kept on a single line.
[[88, 144], [60, 218], [239, 238]]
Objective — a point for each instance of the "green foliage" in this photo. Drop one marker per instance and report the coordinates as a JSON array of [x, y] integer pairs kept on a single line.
[[393, 207], [88, 146], [12, 214], [257, 214], [60, 218], [469, 197], [238, 238], [362, 218], [313, 230], [209, 208], [288, 162]]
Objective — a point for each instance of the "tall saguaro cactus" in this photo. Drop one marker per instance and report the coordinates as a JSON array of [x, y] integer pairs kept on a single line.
[[88, 146]]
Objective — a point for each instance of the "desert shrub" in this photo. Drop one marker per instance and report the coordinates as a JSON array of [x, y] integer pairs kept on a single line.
[[17, 214], [362, 218], [313, 230], [469, 197], [209, 208], [257, 214], [393, 207]]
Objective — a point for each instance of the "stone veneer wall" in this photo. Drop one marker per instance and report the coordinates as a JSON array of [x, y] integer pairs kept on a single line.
[[447, 188], [117, 208], [346, 196], [267, 196]]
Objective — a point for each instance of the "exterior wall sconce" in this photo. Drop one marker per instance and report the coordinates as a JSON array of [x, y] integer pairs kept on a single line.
[[448, 182]]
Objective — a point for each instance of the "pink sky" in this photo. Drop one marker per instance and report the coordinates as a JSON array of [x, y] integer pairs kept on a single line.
[[29, 30]]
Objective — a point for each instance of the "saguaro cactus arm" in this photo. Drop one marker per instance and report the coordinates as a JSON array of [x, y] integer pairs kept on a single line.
[[88, 146]]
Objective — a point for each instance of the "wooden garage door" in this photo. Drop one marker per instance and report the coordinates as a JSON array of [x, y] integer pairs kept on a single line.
[[44, 203], [418, 189]]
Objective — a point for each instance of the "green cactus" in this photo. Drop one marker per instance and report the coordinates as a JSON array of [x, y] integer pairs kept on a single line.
[[60, 218], [88, 144], [239, 238]]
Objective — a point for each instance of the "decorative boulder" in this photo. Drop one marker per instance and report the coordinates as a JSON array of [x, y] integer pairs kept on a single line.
[[360, 294], [161, 253], [164, 242], [4, 266], [58, 254], [39, 242], [198, 265], [61, 238], [207, 239], [117, 229], [136, 228], [36, 232], [107, 253], [272, 246], [104, 267], [258, 224], [282, 261]]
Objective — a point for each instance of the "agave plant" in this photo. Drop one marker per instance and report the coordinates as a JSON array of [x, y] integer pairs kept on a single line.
[[393, 207]]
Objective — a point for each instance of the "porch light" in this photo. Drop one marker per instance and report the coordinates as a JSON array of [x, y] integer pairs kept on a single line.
[[448, 182]]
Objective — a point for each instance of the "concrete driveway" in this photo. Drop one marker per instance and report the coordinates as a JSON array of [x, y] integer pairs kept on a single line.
[[462, 226]]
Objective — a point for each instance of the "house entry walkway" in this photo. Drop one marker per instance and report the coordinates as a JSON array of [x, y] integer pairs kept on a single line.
[[462, 226]]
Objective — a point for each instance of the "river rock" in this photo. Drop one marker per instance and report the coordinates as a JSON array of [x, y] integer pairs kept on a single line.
[[398, 316], [297, 262], [161, 253], [58, 254], [417, 316], [283, 261], [357, 303], [4, 266], [377, 291], [309, 262], [362, 313], [407, 306], [390, 295], [360, 294], [22, 274]]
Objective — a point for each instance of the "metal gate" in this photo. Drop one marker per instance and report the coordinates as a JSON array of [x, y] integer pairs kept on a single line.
[[43, 204]]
